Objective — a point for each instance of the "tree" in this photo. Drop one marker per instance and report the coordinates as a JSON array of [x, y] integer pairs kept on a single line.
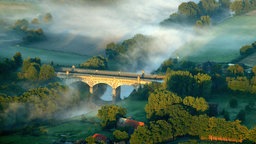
[[47, 17], [180, 120], [246, 50], [46, 72], [239, 84], [224, 4], [203, 84], [142, 135], [160, 102], [120, 135], [31, 73], [111, 51], [254, 70], [21, 25], [109, 114], [96, 62], [209, 7], [235, 70], [189, 9], [17, 58], [90, 140], [199, 125], [204, 21], [237, 6], [199, 104], [252, 135], [162, 131], [180, 82]]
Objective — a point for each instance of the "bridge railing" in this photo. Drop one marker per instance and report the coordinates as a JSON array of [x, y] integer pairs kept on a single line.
[[109, 73]]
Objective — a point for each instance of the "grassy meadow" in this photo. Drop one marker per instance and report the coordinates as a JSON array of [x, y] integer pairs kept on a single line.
[[221, 42]]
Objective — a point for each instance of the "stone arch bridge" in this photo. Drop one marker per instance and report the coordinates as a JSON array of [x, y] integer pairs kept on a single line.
[[115, 79]]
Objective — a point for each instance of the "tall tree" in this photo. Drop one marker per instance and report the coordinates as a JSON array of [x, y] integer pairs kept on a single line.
[[46, 72], [189, 9], [109, 114], [209, 7], [160, 102], [17, 58]]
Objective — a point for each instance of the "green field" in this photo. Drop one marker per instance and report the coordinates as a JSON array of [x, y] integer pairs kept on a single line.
[[46, 56], [72, 129], [220, 43]]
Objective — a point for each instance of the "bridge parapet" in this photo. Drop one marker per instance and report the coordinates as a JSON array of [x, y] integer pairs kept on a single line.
[[113, 79]]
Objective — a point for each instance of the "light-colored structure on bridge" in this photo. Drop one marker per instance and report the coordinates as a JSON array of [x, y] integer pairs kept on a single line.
[[111, 78]]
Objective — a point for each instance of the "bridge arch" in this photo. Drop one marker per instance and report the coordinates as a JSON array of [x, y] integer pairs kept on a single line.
[[111, 78]]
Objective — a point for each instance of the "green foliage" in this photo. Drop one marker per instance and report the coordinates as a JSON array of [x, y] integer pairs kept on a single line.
[[128, 53], [225, 4], [21, 24], [235, 70], [109, 115], [246, 50], [32, 73], [46, 72], [90, 140], [204, 21], [254, 70], [252, 135], [224, 129], [120, 135], [241, 84], [32, 70], [189, 9], [180, 120], [158, 132], [8, 66], [242, 6], [180, 82], [197, 103], [209, 7], [162, 131], [47, 17], [184, 83], [142, 135], [96, 62], [143, 92], [198, 126], [37, 103], [28, 35], [17, 58], [160, 102]]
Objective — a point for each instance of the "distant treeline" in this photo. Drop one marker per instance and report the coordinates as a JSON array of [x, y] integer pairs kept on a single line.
[[202, 13]]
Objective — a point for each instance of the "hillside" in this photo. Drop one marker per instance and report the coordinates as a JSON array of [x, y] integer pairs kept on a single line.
[[220, 43]]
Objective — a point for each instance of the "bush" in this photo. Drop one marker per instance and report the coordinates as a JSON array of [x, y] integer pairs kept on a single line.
[[119, 135]]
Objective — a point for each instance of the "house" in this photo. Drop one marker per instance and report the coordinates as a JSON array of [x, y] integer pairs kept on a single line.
[[100, 138], [126, 122]]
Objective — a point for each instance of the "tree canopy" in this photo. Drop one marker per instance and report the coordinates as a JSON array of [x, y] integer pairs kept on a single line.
[[109, 115]]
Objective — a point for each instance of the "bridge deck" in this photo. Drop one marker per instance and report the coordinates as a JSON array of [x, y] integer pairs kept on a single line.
[[119, 74]]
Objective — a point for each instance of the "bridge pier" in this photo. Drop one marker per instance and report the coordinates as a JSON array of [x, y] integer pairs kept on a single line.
[[91, 90], [116, 94]]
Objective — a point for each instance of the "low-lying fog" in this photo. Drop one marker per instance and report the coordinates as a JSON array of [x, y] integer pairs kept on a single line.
[[85, 27]]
